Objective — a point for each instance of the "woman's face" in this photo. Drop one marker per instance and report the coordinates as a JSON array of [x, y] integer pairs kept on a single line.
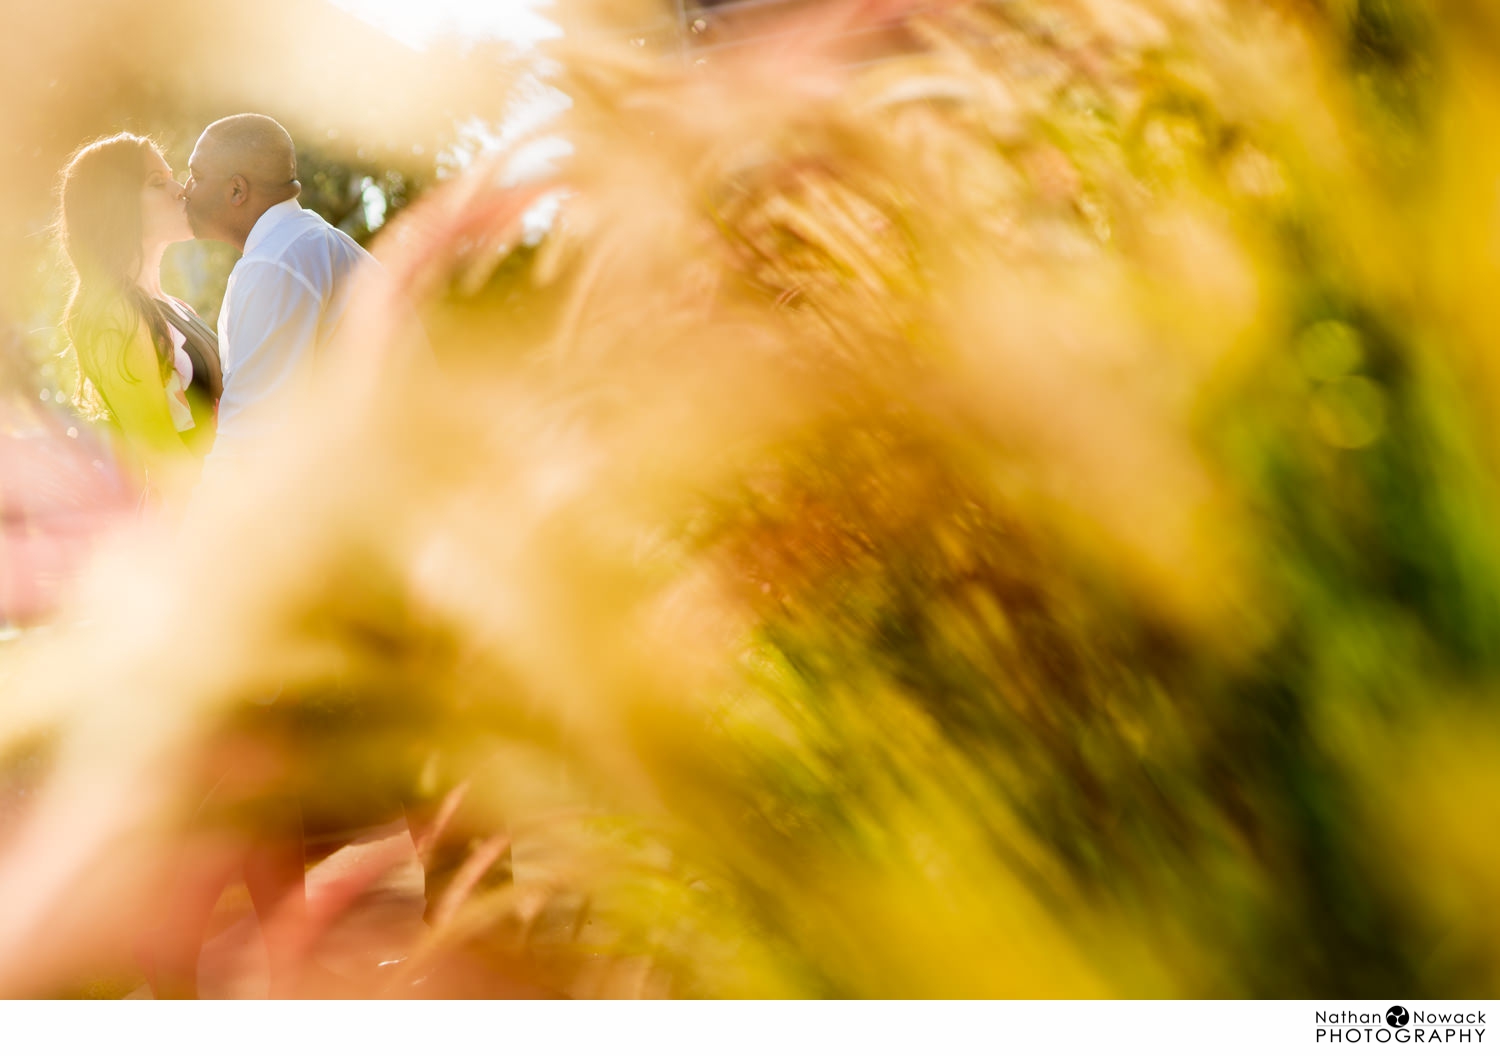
[[163, 212]]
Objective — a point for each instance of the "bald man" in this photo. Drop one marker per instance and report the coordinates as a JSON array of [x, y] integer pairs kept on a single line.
[[290, 290], [285, 300]]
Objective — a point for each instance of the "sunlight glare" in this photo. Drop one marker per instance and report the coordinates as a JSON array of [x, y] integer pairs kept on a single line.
[[419, 24]]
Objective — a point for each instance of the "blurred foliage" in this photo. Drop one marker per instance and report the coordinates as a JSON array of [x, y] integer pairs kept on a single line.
[[1010, 520]]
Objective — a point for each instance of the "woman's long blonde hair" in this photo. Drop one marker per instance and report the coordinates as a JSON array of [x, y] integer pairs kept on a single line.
[[100, 226]]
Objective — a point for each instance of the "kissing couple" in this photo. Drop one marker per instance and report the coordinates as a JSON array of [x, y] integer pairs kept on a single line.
[[174, 391], [171, 388]]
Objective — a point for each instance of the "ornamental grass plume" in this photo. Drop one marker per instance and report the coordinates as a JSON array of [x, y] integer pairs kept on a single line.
[[1013, 520]]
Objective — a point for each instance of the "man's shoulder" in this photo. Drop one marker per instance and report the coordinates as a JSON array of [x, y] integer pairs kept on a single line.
[[290, 228], [311, 250], [305, 235]]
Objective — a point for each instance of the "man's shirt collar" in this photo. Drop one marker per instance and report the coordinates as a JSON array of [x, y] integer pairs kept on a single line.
[[268, 220]]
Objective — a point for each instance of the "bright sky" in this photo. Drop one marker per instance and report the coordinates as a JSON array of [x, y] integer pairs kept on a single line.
[[419, 22]]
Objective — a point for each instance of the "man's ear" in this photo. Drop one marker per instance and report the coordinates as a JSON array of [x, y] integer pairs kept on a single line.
[[239, 190]]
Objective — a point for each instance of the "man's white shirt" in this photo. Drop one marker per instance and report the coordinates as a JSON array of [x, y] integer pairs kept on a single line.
[[285, 300]]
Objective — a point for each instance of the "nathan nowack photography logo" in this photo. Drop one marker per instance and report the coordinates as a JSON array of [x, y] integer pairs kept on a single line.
[[1399, 1025]]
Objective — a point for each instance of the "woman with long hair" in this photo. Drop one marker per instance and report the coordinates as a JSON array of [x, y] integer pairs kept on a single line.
[[150, 368], [147, 364]]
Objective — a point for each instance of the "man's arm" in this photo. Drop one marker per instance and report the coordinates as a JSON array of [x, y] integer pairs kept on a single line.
[[272, 331]]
